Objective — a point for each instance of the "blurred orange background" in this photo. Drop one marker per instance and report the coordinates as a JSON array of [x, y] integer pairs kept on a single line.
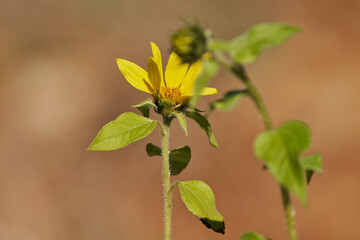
[[59, 84]]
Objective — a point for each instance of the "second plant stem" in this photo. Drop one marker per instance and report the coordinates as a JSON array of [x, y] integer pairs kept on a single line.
[[239, 71], [165, 132], [288, 207]]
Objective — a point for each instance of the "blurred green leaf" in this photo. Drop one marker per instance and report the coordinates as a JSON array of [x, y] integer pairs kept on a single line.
[[252, 236], [179, 159], [182, 121], [229, 100], [144, 107], [204, 124], [127, 128], [219, 45], [209, 70], [247, 47], [280, 150], [311, 164], [200, 200], [153, 150]]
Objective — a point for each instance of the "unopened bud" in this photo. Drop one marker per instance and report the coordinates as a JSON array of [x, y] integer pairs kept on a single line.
[[189, 43]]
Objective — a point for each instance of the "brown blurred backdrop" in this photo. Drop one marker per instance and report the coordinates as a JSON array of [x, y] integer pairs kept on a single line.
[[59, 84]]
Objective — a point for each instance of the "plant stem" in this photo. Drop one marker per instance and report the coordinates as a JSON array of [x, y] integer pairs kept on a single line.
[[289, 213], [165, 132], [240, 72]]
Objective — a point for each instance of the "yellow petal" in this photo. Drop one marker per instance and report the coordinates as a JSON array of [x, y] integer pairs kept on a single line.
[[175, 71], [157, 57], [205, 91], [189, 81], [134, 74], [153, 74], [209, 91]]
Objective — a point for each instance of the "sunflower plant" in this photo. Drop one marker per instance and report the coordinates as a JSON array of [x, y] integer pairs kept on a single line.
[[280, 148], [171, 98]]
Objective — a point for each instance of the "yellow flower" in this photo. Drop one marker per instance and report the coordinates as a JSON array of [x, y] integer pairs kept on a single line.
[[179, 77]]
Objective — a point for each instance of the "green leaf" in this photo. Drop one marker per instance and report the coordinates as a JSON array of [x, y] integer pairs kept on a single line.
[[144, 107], [210, 68], [153, 150], [194, 108], [252, 236], [311, 164], [247, 47], [204, 124], [280, 150], [229, 101], [179, 158], [182, 121], [199, 199], [127, 128]]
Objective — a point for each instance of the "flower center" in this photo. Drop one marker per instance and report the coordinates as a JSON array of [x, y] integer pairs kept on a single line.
[[172, 93]]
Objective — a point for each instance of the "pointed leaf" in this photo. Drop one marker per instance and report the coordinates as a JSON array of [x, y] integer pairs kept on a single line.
[[210, 68], [252, 236], [179, 159], [247, 47], [182, 121], [311, 164], [204, 124], [127, 128], [280, 150], [153, 150], [309, 175], [144, 107], [199, 199], [229, 101]]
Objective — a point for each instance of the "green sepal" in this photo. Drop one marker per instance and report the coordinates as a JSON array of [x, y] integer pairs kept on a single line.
[[204, 124], [144, 107], [179, 157], [246, 48], [200, 201], [280, 149], [311, 164], [209, 70], [180, 117], [252, 236], [229, 100], [127, 128]]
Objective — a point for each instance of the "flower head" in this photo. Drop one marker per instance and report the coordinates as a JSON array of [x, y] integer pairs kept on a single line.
[[176, 87]]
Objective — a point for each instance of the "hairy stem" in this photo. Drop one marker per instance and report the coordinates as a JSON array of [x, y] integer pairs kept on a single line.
[[240, 72], [165, 131]]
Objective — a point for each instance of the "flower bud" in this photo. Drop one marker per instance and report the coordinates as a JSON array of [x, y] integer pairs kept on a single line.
[[189, 43]]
